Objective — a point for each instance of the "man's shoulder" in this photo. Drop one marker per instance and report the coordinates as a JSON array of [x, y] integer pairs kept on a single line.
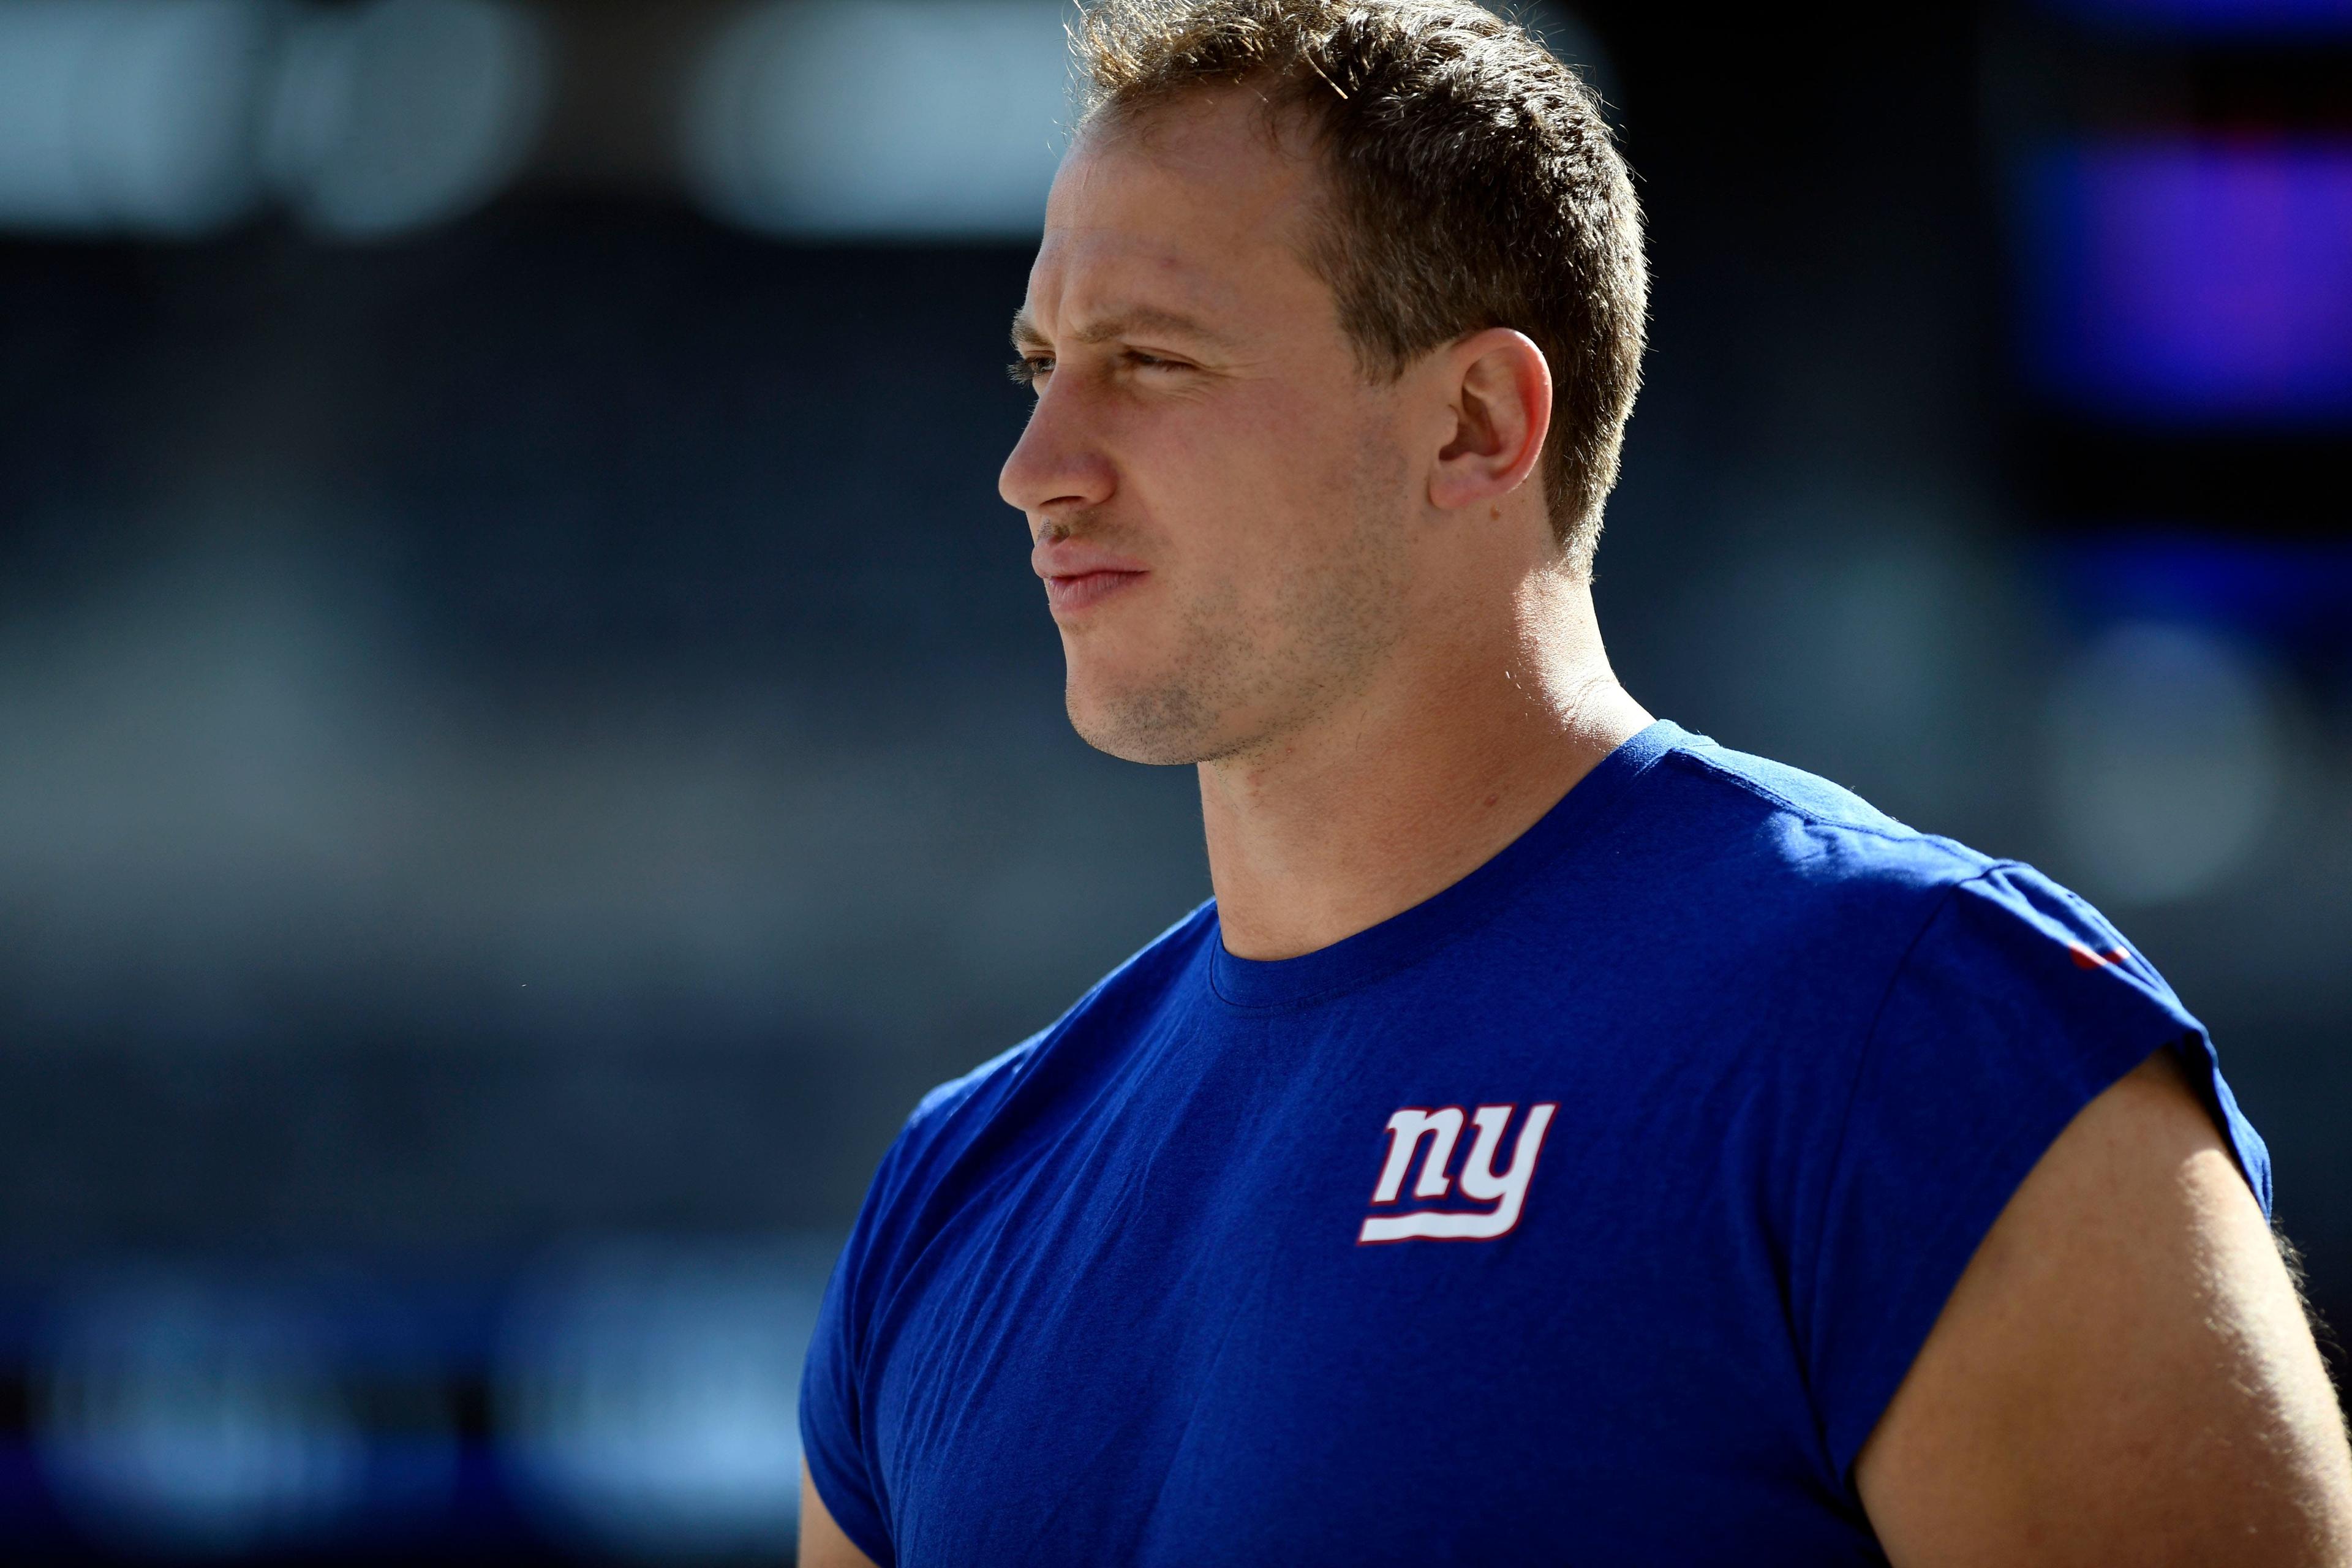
[[1780, 862], [1781, 828], [1142, 980]]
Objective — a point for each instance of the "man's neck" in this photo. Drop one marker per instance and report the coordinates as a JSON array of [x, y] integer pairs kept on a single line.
[[1402, 793]]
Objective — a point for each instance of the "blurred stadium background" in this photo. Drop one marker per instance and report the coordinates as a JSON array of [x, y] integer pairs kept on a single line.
[[527, 738]]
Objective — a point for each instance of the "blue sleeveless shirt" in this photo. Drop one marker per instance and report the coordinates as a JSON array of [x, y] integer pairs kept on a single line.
[[1588, 1212]]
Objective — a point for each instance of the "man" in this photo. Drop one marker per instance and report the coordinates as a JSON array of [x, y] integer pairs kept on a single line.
[[1562, 1139]]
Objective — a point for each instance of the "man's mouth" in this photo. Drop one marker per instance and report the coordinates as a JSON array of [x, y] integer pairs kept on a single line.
[[1082, 590], [1081, 573]]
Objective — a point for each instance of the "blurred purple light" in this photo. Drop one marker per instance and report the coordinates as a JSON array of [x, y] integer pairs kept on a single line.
[[2236, 17], [2185, 282]]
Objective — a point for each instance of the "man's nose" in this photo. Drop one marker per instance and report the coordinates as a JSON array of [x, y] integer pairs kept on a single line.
[[1059, 464]]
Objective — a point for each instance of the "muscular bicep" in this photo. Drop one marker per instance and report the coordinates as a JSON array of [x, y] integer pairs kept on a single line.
[[822, 1545], [2123, 1373]]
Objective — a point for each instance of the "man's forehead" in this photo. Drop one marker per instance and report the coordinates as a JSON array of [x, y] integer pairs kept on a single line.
[[1084, 280], [1210, 236]]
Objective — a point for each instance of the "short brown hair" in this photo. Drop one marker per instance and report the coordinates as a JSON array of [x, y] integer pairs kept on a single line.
[[1473, 184]]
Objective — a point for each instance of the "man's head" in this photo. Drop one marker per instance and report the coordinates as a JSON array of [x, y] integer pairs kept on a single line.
[[1337, 302]]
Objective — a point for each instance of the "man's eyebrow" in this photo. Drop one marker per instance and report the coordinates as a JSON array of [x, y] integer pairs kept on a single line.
[[1121, 324]]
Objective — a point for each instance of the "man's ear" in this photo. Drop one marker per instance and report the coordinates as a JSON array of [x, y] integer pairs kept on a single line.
[[1501, 390]]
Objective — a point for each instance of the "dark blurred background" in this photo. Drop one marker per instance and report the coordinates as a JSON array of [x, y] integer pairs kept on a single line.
[[527, 739]]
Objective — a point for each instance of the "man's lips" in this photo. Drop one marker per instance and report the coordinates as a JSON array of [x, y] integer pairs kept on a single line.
[[1080, 590], [1079, 574]]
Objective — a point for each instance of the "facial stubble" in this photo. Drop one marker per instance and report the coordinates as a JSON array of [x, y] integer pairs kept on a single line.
[[1238, 681]]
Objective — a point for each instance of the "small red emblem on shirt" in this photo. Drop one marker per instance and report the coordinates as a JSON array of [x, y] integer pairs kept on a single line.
[[2085, 959]]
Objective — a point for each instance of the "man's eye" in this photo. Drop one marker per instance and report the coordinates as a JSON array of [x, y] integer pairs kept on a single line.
[[1028, 369]]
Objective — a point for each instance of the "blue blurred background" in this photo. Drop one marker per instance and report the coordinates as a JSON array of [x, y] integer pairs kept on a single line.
[[527, 738]]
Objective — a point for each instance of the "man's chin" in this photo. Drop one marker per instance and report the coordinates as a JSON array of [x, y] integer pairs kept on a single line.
[[1162, 727]]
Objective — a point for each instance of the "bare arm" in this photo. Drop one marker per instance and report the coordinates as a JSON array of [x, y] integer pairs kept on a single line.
[[822, 1543], [2124, 1374]]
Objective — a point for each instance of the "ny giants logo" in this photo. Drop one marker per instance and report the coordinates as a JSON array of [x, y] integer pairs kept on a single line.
[[1440, 1130]]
